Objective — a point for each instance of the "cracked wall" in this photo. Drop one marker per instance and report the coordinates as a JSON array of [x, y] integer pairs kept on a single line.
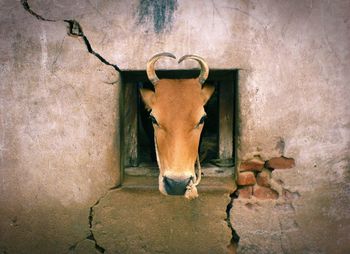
[[59, 114], [59, 143]]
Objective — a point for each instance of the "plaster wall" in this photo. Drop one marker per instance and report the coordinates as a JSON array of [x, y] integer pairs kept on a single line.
[[59, 109]]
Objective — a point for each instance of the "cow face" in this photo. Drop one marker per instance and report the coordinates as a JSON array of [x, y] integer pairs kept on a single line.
[[177, 114]]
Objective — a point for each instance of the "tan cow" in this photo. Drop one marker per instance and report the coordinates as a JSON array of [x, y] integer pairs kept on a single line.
[[177, 113]]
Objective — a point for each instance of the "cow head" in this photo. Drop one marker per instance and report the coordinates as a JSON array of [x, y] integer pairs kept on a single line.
[[177, 112]]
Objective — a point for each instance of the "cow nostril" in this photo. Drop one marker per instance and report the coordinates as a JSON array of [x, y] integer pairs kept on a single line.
[[176, 186]]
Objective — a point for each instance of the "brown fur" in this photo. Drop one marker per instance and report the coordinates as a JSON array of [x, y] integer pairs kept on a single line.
[[177, 106]]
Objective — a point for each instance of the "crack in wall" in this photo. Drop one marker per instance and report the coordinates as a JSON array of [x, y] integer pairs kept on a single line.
[[233, 245], [28, 9], [74, 29], [98, 247], [91, 220], [91, 236]]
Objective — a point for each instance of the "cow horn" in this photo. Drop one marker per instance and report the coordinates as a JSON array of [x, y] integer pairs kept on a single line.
[[151, 73], [204, 67]]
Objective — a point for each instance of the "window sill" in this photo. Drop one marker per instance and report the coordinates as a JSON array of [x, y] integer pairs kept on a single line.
[[207, 184]]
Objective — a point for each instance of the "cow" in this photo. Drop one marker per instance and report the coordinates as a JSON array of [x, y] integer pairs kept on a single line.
[[176, 109]]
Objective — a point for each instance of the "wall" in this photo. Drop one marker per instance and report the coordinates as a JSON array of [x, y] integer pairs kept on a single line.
[[59, 114], [59, 139]]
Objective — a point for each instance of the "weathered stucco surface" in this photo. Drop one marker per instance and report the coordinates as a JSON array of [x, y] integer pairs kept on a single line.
[[59, 112], [58, 127], [148, 224]]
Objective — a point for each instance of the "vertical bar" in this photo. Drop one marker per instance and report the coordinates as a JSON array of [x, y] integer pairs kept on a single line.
[[130, 124], [226, 118]]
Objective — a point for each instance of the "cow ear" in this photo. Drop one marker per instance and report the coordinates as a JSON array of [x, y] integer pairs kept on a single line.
[[147, 97], [207, 92]]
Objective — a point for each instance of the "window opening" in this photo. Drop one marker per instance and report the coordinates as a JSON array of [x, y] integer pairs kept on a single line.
[[217, 144]]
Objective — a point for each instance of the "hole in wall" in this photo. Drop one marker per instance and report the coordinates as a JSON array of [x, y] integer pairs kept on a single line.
[[217, 144]]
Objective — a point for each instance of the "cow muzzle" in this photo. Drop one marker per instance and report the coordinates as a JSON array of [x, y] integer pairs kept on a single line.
[[176, 186]]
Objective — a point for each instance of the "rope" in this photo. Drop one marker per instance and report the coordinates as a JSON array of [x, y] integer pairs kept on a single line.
[[191, 188]]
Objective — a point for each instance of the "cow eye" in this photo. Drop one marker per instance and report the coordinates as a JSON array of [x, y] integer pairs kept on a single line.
[[153, 119], [201, 121]]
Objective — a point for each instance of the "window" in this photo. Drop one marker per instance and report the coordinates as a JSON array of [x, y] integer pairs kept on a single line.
[[217, 145]]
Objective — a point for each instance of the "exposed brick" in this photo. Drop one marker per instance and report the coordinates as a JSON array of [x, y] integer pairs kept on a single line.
[[255, 164], [245, 192], [264, 193], [280, 163], [246, 178], [263, 178]]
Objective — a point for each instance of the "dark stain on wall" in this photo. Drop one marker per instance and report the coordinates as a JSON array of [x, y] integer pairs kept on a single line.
[[158, 12]]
